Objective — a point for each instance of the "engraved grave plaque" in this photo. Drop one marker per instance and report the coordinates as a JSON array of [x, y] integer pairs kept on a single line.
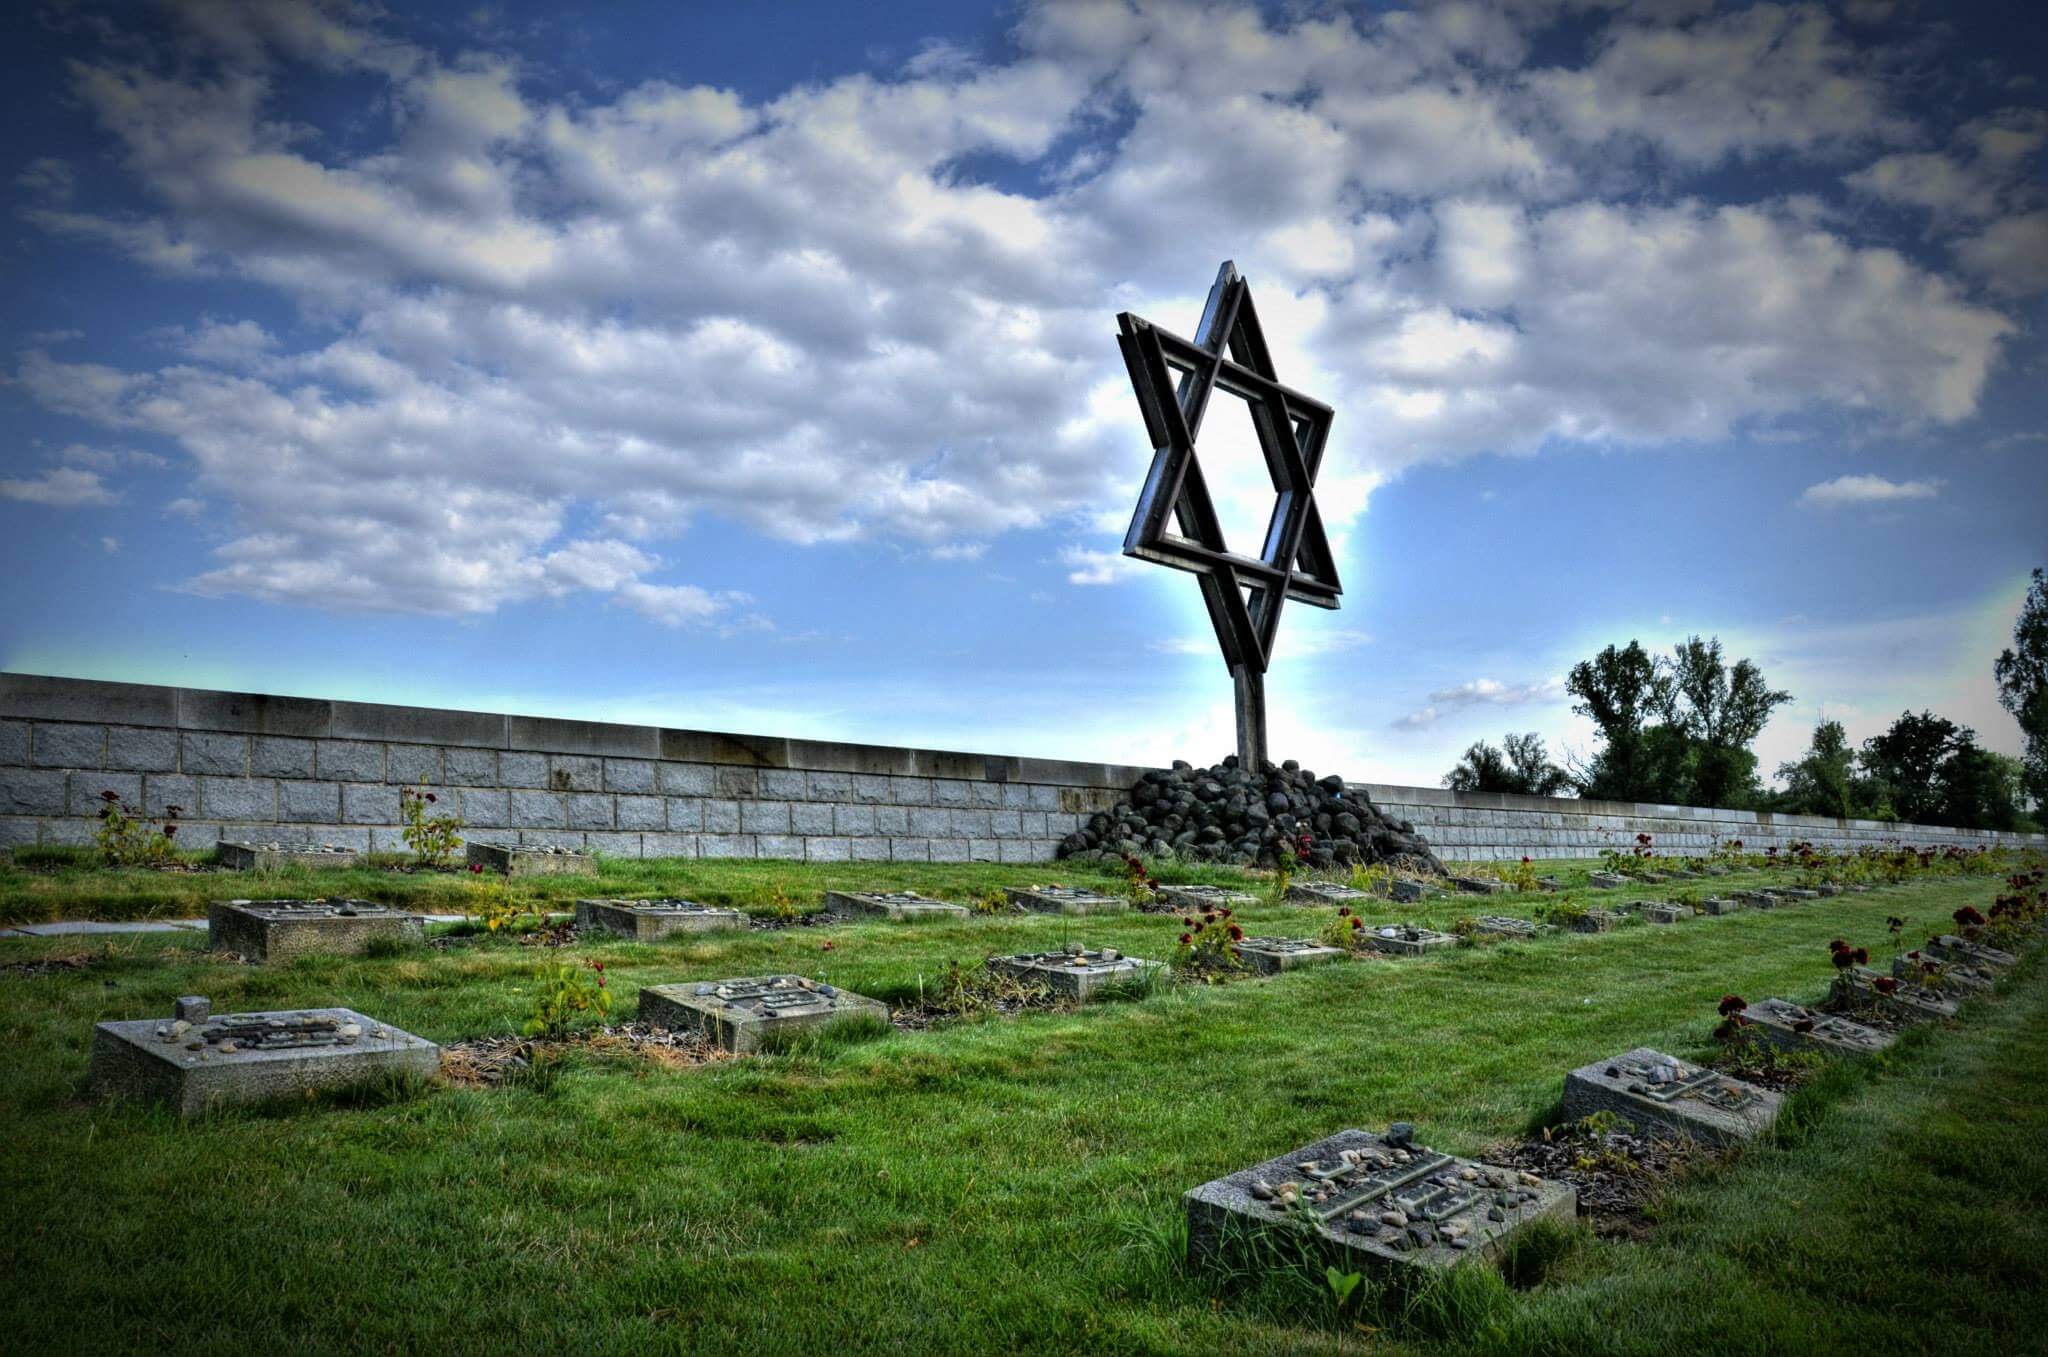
[[1597, 921], [1206, 897], [1404, 939], [521, 860], [1328, 893], [1856, 991], [897, 905], [1795, 1028], [268, 857], [278, 930], [1949, 947], [1718, 905], [1661, 911], [1076, 972], [194, 1063], [737, 1014], [1270, 956], [1507, 926], [1064, 900], [1663, 1096], [652, 920], [1375, 1202]]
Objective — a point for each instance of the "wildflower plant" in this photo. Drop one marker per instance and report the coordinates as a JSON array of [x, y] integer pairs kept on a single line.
[[567, 990], [1207, 947], [431, 837], [126, 839], [1343, 930]]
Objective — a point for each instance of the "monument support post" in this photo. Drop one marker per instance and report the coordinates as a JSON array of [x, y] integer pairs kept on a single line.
[[1251, 716]]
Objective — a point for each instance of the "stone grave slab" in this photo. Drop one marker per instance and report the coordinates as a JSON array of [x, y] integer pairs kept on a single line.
[[1855, 990], [1786, 1024], [738, 1014], [1549, 883], [1596, 921], [1606, 881], [194, 1060], [897, 905], [1206, 897], [653, 920], [1827, 888], [1330, 893], [1479, 885], [1076, 972], [278, 930], [1654, 878], [1660, 911], [268, 857], [524, 860], [1798, 893], [1507, 926], [1379, 1202], [1270, 956], [1949, 947], [1404, 890], [1718, 905], [1404, 939], [1663, 1096], [1953, 978], [1065, 900]]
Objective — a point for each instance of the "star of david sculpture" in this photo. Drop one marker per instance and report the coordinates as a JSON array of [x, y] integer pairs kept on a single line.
[[1175, 523]]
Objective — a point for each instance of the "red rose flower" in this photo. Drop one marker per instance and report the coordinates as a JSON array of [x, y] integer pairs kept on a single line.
[[1968, 917], [1884, 984], [1732, 1003]]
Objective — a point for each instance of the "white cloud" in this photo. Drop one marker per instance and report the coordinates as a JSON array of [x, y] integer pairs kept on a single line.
[[798, 313], [1098, 567], [110, 545], [1849, 491], [1481, 692], [63, 487]]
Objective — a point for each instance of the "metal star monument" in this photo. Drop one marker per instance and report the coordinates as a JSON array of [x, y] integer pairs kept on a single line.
[[1175, 523]]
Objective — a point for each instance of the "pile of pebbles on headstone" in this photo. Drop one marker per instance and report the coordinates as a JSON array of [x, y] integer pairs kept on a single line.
[[1229, 814]]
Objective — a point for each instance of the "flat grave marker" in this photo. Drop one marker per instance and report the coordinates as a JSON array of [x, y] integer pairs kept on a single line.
[[278, 930], [1479, 885], [1953, 978], [1660, 1095], [1794, 1028], [1404, 939], [1717, 905], [1507, 926], [1270, 956], [1376, 1201], [897, 905], [1661, 911], [1075, 971], [1330, 893], [1949, 947], [1606, 881], [1206, 897], [1596, 921], [196, 1061], [652, 920], [1856, 990], [1065, 900], [269, 857], [525, 860], [738, 1014]]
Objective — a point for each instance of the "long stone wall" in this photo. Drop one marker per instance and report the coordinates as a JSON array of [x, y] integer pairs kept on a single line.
[[248, 766], [1487, 826]]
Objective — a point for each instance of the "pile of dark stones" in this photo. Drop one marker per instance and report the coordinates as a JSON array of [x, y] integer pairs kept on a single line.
[[1227, 813]]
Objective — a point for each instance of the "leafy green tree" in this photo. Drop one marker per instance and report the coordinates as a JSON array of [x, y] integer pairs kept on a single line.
[[2022, 673], [1906, 763], [1676, 730], [1720, 710], [1980, 789], [1823, 781], [1522, 768]]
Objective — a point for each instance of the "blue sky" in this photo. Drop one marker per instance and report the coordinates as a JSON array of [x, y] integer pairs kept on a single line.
[[754, 368]]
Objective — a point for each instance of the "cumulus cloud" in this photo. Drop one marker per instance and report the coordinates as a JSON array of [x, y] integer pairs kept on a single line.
[[1850, 491], [63, 487], [799, 313], [1481, 692]]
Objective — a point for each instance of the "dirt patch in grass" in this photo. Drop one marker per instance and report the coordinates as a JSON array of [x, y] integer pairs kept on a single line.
[[485, 1062], [51, 965], [1618, 1175]]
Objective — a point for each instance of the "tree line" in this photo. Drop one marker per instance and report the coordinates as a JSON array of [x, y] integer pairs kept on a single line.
[[1677, 730]]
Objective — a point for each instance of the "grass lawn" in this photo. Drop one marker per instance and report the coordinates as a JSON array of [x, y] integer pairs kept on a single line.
[[997, 1184]]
